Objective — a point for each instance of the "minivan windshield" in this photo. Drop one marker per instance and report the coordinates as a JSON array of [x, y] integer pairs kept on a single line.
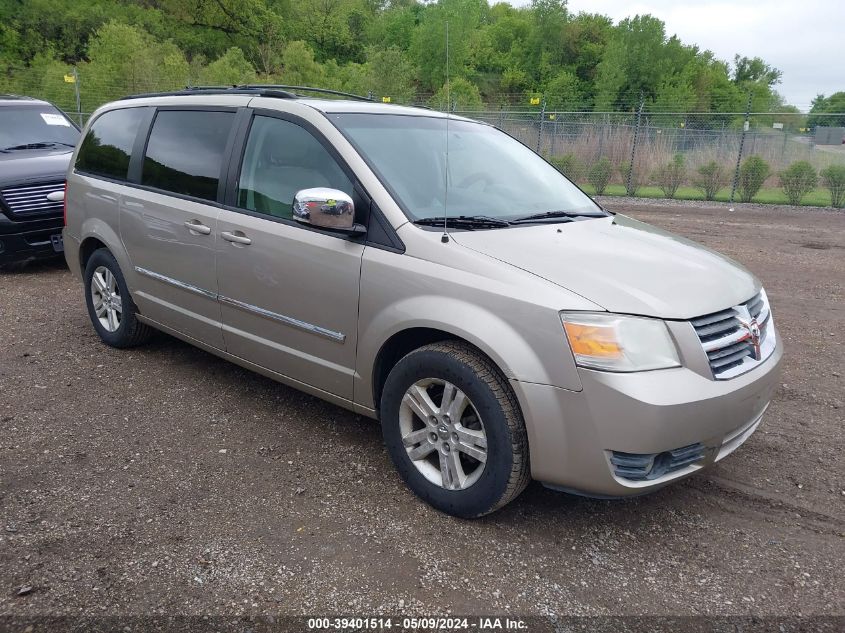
[[35, 127], [490, 174]]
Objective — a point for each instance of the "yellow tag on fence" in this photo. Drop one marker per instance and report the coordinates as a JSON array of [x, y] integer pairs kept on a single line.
[[385, 99], [70, 79], [535, 100]]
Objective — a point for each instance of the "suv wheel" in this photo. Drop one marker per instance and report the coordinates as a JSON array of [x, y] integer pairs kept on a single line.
[[110, 306], [454, 431]]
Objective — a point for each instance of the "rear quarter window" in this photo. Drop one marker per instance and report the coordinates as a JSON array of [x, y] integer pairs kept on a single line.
[[107, 148]]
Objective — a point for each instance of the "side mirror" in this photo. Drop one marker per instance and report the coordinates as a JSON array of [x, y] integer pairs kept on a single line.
[[325, 208]]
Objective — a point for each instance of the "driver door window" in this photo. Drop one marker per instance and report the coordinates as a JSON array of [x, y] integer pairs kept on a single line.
[[282, 158]]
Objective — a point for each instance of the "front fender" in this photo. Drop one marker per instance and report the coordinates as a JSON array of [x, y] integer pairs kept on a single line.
[[503, 319]]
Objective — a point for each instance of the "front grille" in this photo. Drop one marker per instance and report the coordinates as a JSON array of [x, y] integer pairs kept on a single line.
[[24, 202], [738, 338], [647, 466]]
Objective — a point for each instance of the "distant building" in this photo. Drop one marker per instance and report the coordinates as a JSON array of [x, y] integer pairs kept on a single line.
[[829, 135]]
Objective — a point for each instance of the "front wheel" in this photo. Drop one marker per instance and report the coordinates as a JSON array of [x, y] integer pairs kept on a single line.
[[454, 430]]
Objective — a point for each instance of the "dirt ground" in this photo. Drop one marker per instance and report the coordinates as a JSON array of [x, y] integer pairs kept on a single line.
[[163, 480]]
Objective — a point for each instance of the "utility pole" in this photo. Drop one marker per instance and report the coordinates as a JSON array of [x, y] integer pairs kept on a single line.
[[745, 126], [634, 146]]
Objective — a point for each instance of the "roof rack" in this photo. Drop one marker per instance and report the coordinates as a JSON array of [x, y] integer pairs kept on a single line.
[[277, 91], [325, 91], [217, 90]]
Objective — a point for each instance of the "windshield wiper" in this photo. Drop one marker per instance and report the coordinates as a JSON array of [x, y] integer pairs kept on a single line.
[[465, 222], [36, 145], [555, 215]]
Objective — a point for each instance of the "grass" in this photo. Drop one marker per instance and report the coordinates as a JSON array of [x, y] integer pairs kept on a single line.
[[770, 195]]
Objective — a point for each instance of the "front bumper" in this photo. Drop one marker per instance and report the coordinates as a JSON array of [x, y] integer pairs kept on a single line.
[[572, 435], [31, 243]]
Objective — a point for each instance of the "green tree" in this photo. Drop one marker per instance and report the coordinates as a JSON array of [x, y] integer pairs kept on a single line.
[[230, 69], [299, 67], [124, 60], [463, 94], [428, 47], [390, 74], [564, 92], [828, 111]]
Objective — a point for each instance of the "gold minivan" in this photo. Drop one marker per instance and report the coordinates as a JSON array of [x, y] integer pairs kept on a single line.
[[426, 270]]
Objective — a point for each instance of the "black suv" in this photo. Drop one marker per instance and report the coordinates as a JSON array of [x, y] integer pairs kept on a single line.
[[36, 142]]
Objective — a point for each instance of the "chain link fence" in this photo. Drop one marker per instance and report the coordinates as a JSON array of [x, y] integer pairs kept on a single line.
[[634, 146], [638, 146]]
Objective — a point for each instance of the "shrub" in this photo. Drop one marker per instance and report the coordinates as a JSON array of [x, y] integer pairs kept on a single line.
[[798, 180], [599, 175], [671, 176], [569, 166], [711, 178], [834, 179], [636, 178], [752, 175]]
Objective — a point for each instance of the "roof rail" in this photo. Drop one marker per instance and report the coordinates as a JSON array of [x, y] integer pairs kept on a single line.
[[326, 91], [216, 90]]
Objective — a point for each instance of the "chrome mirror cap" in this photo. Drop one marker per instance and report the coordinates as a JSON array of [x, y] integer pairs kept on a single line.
[[324, 208]]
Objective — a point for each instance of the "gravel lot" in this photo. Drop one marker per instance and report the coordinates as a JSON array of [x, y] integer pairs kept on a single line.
[[163, 480]]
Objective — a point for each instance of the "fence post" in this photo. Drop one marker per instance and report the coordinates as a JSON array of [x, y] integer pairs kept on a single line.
[[540, 126], [554, 137], [634, 146], [78, 101], [741, 143]]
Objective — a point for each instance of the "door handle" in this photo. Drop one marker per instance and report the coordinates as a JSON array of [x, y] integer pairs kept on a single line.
[[236, 238], [198, 227]]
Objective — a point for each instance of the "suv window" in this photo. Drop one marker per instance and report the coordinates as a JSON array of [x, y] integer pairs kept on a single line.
[[106, 149], [185, 152], [280, 159]]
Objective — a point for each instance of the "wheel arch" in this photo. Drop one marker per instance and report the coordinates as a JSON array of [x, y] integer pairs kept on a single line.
[[394, 343], [97, 233]]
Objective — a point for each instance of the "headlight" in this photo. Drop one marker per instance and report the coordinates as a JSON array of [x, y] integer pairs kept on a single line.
[[612, 342]]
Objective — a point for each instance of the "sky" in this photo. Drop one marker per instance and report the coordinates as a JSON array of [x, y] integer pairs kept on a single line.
[[804, 39]]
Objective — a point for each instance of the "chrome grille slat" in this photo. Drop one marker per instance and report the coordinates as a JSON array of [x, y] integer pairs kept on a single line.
[[728, 359], [32, 200], [728, 325], [727, 351], [727, 341], [713, 318]]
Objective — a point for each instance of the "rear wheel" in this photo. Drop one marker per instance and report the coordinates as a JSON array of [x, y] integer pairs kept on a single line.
[[453, 429], [112, 311]]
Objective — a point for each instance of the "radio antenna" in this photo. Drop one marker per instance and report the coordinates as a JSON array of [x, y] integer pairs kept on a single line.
[[445, 237]]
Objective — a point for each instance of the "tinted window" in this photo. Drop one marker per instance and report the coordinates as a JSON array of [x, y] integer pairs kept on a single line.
[[281, 158], [43, 126], [108, 144], [185, 152]]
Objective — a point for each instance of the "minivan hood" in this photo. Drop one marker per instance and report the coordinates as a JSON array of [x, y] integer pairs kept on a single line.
[[622, 265], [30, 165]]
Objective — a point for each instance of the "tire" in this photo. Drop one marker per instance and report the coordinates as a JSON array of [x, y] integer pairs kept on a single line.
[[492, 412], [129, 332]]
